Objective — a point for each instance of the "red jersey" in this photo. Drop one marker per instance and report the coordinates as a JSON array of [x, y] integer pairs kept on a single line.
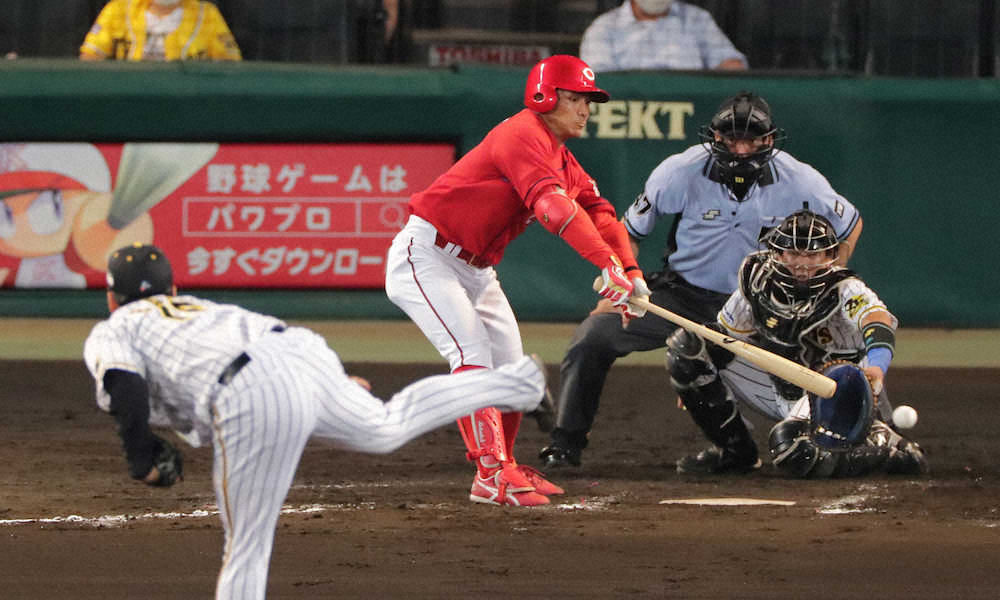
[[487, 198]]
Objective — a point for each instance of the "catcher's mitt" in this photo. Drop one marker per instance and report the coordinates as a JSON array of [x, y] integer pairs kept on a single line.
[[168, 461], [843, 420], [830, 364]]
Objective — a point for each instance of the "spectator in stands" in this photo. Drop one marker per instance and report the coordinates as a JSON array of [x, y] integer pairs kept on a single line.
[[160, 30], [658, 34], [391, 8]]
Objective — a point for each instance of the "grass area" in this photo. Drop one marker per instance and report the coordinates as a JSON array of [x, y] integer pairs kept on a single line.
[[401, 341]]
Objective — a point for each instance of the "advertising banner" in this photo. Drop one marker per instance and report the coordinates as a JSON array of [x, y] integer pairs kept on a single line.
[[228, 215]]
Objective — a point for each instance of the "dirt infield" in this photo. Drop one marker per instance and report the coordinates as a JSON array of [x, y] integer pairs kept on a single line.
[[400, 525]]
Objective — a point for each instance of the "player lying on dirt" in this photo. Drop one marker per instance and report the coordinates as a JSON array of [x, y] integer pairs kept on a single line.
[[794, 301], [256, 390]]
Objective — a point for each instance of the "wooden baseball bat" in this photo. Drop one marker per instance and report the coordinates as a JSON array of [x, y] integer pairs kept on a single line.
[[790, 371]]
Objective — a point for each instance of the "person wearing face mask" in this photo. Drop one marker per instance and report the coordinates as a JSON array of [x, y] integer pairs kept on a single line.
[[159, 30], [723, 196], [794, 300], [658, 34]]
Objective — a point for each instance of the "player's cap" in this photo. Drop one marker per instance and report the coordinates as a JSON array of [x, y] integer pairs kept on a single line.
[[138, 271]]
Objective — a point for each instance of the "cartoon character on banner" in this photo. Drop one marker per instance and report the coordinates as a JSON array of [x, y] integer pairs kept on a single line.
[[60, 216]]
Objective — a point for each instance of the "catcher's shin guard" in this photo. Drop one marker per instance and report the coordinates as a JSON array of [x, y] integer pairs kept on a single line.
[[904, 457], [794, 452], [884, 450], [715, 413], [705, 397], [861, 460]]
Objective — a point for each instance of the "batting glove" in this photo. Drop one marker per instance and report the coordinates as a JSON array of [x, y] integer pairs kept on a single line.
[[615, 285], [639, 290]]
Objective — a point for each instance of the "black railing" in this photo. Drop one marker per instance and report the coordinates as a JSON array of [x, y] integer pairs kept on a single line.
[[920, 38]]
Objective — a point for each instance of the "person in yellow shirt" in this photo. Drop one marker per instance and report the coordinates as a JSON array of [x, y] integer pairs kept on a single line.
[[160, 30]]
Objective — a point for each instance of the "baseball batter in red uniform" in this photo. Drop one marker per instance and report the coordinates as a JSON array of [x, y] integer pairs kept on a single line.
[[439, 269]]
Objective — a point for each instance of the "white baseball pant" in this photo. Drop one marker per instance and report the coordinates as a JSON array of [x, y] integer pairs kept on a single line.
[[294, 387], [460, 308]]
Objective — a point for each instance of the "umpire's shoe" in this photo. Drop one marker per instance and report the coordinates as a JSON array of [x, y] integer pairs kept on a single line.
[[717, 460], [564, 450], [558, 457]]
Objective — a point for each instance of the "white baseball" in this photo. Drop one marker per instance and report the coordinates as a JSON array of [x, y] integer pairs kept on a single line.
[[904, 416]]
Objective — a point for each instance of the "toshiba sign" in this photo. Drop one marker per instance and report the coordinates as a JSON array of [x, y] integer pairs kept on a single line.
[[443, 55]]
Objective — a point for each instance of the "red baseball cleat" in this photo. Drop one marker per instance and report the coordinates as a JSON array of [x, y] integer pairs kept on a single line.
[[499, 490], [542, 485]]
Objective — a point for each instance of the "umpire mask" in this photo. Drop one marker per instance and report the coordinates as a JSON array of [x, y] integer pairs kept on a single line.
[[746, 118]]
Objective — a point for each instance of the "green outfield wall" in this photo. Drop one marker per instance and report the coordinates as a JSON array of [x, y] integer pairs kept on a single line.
[[918, 157]]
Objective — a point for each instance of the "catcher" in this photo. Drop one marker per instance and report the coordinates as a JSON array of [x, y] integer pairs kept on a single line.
[[794, 301]]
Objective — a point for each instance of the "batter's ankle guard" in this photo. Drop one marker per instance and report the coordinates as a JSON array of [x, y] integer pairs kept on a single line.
[[483, 435]]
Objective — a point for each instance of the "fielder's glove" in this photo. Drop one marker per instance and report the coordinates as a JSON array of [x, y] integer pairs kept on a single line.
[[168, 461], [873, 382]]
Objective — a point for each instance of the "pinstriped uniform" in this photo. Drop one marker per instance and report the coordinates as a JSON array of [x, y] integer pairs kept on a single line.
[[840, 335], [292, 388], [179, 356]]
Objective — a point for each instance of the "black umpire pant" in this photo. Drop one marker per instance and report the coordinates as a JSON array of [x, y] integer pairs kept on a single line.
[[601, 339]]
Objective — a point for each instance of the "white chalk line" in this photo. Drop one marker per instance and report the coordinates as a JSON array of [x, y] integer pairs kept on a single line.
[[865, 500], [862, 501], [212, 510], [728, 501]]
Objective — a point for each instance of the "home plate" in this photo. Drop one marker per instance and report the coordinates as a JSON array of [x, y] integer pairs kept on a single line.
[[727, 501]]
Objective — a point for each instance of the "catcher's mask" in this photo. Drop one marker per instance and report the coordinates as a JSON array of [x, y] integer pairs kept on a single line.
[[560, 72], [745, 116], [138, 271], [802, 251], [843, 421]]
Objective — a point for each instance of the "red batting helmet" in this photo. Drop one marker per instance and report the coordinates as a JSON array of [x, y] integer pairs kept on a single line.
[[561, 71]]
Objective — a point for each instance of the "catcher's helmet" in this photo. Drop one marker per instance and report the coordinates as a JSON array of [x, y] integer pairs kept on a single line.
[[803, 233], [744, 116], [564, 72], [138, 271]]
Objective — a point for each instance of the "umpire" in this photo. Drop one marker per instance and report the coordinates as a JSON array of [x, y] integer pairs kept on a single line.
[[724, 194]]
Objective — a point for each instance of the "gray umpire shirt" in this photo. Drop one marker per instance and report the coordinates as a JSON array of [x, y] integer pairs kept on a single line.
[[713, 231]]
